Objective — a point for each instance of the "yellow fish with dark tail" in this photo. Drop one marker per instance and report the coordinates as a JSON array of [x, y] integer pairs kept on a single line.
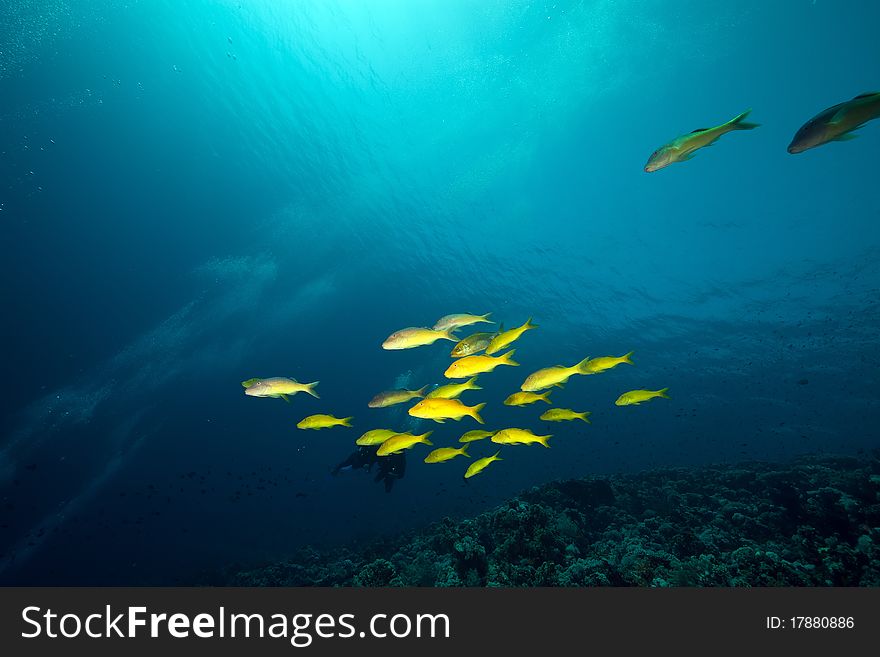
[[837, 123], [636, 397], [685, 147], [479, 465], [322, 421]]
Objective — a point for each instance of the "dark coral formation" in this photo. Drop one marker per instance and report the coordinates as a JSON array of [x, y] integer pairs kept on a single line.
[[811, 522]]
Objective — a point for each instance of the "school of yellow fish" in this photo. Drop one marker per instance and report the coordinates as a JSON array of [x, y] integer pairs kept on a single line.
[[472, 356]]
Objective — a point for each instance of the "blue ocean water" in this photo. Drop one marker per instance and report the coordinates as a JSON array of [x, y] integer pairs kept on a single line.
[[192, 194]]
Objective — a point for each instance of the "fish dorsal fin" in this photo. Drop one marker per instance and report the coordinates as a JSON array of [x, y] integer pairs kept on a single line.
[[867, 94], [699, 130]]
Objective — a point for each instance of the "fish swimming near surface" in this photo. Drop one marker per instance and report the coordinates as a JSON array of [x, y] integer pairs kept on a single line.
[[553, 376], [837, 123], [476, 434], [685, 147], [525, 398], [416, 336], [453, 390], [597, 365], [481, 464], [403, 441], [375, 436], [471, 365], [442, 454], [457, 321], [391, 397], [278, 387], [473, 344], [440, 410], [564, 414], [506, 338], [322, 421], [636, 397], [514, 436]]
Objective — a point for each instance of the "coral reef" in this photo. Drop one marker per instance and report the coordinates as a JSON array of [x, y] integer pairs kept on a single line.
[[812, 522]]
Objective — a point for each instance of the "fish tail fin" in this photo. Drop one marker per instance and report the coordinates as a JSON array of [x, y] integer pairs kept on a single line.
[[529, 325], [449, 334], [473, 384], [739, 123], [543, 440], [421, 392], [582, 366], [485, 318], [584, 417], [627, 358], [546, 396], [507, 358], [662, 393], [464, 451], [346, 421], [495, 456], [425, 437], [310, 389], [475, 412]]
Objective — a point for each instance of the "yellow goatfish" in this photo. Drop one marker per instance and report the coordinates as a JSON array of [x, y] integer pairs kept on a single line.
[[596, 365], [321, 421], [453, 390], [506, 338], [416, 336], [278, 387], [471, 365], [563, 414], [636, 397], [685, 147], [446, 454], [476, 434], [457, 321], [391, 397], [552, 376], [481, 464], [524, 398], [445, 409], [376, 436], [401, 442], [515, 436], [837, 123]]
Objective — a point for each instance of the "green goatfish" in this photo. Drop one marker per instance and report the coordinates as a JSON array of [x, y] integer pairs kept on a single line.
[[685, 147], [837, 123]]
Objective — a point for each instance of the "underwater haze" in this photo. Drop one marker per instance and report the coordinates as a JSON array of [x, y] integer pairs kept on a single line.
[[196, 193]]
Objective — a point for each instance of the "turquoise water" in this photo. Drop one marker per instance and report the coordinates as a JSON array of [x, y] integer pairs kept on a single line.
[[196, 193]]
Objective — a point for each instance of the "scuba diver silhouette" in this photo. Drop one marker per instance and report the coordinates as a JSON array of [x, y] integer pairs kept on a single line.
[[389, 469]]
